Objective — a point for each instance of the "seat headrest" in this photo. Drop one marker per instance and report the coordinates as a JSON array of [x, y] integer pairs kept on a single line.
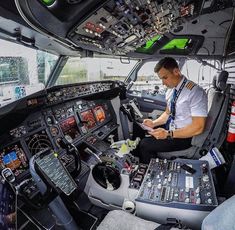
[[222, 80]]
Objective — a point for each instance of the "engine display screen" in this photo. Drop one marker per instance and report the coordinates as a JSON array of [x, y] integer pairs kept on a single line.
[[69, 127], [14, 157], [99, 113], [88, 119]]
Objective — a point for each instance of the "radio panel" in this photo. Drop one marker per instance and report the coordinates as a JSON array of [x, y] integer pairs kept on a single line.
[[169, 182], [181, 190]]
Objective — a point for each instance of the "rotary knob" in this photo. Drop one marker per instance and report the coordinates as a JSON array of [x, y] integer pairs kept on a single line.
[[209, 201], [149, 184], [208, 194], [205, 178]]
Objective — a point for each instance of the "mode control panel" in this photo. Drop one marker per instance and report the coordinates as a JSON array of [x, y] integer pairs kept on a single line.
[[178, 182], [58, 95]]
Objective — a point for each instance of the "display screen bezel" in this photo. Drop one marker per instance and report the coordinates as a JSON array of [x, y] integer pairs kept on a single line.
[[65, 132], [11, 148], [90, 110], [103, 113]]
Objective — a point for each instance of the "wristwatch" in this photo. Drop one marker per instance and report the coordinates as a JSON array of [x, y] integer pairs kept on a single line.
[[170, 135]]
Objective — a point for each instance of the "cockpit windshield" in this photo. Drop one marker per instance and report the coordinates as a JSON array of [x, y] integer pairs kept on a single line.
[[23, 71], [94, 69]]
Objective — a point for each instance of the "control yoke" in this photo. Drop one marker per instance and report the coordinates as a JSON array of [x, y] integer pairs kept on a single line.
[[48, 172]]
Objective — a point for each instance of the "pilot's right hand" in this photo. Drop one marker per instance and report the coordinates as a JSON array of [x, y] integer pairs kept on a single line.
[[148, 122]]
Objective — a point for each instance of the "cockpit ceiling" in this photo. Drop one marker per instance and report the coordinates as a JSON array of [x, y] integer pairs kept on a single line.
[[124, 27]]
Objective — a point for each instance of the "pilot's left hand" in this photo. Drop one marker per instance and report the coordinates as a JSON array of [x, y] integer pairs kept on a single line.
[[159, 133]]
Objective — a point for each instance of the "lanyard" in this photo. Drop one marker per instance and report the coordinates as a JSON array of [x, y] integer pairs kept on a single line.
[[173, 102]]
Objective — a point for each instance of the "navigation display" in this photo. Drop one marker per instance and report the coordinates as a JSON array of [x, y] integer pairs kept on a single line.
[[69, 127], [88, 119], [13, 157], [38, 142], [99, 113]]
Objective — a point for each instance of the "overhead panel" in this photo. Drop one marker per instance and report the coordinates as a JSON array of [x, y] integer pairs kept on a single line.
[[122, 26]]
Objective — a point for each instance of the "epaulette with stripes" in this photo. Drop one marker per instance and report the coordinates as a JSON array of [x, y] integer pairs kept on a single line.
[[189, 85]]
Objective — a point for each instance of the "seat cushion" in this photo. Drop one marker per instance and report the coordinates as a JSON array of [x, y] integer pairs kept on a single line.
[[186, 153], [121, 220], [221, 218]]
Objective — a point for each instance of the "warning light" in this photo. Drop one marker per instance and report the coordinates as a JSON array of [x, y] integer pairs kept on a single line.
[[48, 2]]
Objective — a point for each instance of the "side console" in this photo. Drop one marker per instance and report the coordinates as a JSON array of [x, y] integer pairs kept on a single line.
[[180, 190]]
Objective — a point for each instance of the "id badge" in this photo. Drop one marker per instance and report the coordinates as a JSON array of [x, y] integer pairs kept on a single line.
[[172, 126]]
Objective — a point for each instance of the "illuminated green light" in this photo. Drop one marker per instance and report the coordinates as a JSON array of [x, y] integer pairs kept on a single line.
[[177, 43], [48, 2], [149, 44]]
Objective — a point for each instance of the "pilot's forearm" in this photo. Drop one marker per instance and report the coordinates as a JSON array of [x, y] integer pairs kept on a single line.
[[161, 120], [195, 128]]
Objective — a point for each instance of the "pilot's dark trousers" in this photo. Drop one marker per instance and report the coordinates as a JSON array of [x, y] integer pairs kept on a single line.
[[150, 147]]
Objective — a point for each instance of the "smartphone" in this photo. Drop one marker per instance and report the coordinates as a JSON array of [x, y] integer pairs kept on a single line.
[[145, 127]]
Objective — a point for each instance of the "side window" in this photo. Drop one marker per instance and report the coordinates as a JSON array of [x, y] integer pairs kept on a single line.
[[23, 71], [199, 73], [147, 80]]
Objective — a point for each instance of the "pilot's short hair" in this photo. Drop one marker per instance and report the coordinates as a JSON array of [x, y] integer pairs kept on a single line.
[[167, 63]]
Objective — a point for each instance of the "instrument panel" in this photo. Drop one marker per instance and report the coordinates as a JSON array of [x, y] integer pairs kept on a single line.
[[75, 119]]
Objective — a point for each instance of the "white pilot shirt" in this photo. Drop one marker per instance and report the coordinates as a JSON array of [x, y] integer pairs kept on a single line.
[[192, 102]]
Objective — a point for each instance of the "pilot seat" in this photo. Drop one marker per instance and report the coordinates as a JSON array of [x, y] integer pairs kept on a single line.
[[214, 133]]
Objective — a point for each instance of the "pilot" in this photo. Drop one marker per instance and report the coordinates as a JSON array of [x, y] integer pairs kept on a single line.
[[184, 117]]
